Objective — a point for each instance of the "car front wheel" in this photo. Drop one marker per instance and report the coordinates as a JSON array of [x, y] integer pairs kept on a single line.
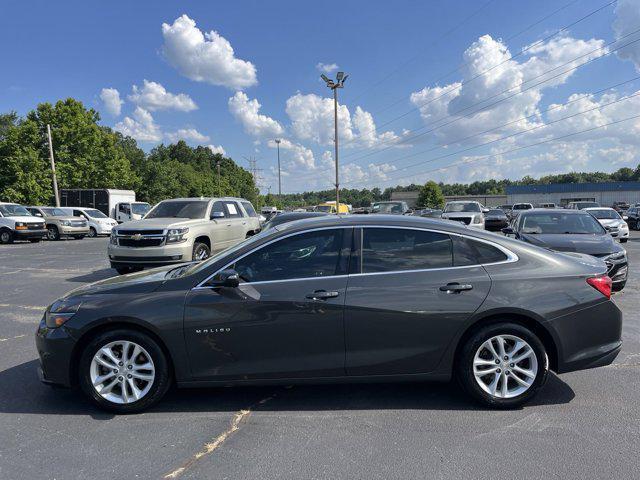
[[124, 371], [92, 233], [6, 236], [200, 251], [502, 365]]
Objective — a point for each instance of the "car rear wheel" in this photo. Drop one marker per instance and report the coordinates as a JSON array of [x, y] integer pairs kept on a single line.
[[200, 251], [124, 371], [92, 232], [52, 233], [502, 365], [6, 236]]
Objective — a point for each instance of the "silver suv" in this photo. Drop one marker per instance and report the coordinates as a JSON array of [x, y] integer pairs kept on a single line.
[[181, 230]]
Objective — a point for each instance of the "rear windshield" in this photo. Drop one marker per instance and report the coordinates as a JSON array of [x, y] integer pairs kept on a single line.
[[179, 209], [559, 223]]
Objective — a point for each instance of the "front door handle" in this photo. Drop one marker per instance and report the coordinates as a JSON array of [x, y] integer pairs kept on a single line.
[[321, 295], [455, 287]]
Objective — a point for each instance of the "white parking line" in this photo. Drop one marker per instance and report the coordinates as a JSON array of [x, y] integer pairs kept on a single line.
[[26, 307]]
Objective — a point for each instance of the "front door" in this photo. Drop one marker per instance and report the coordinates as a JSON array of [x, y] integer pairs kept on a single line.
[[285, 320], [407, 301]]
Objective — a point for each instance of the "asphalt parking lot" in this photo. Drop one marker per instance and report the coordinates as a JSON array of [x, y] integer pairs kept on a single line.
[[582, 425]]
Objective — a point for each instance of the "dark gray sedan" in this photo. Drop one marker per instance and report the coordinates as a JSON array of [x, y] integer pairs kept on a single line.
[[338, 299]]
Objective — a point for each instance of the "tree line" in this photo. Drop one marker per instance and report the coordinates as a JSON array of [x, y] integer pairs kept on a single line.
[[90, 155]]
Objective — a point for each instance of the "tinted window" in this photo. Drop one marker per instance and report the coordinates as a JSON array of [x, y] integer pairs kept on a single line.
[[388, 250], [471, 252], [232, 209], [179, 209], [560, 222], [218, 207], [249, 209], [313, 254]]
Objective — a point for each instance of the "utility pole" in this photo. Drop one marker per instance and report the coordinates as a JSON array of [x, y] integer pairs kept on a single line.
[[53, 166], [339, 83], [219, 182], [255, 171], [277, 140]]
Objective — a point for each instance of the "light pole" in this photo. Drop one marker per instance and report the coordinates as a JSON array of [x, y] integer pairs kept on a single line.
[[277, 140], [339, 83]]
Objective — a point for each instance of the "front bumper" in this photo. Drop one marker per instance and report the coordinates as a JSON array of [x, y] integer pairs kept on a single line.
[[29, 234], [588, 338], [103, 229], [148, 257], [55, 348], [70, 231], [495, 225]]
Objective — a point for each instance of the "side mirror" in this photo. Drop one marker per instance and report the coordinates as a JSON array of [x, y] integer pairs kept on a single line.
[[508, 231], [625, 218], [485, 210], [408, 212], [215, 215], [226, 278], [38, 214]]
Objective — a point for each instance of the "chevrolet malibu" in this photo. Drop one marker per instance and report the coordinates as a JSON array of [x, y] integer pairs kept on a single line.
[[338, 299]]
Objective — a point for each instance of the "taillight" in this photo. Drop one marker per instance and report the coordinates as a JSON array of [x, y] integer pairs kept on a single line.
[[602, 284]]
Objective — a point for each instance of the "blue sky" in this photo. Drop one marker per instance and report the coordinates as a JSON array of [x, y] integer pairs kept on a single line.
[[396, 55]]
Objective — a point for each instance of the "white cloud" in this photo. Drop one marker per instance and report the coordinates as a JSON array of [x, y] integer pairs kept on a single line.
[[295, 158], [142, 127], [153, 96], [111, 99], [627, 20], [187, 134], [217, 149], [327, 67], [205, 57], [247, 112]]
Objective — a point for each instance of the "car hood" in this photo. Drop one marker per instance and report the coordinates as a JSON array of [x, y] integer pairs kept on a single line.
[[589, 244], [608, 222], [26, 219], [161, 223]]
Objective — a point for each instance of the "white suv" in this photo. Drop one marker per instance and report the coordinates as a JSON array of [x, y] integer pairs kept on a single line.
[[16, 223], [466, 212]]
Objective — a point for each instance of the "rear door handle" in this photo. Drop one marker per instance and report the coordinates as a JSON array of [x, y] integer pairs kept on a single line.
[[455, 287], [322, 295]]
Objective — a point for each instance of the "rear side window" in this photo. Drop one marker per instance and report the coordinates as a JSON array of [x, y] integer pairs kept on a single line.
[[249, 209], [390, 250], [233, 211], [468, 252]]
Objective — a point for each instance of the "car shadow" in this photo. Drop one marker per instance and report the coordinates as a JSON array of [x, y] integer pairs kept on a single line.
[[28, 395], [94, 276]]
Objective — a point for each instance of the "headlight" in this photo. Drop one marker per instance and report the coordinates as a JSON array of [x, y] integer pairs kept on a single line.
[[176, 235], [21, 226], [477, 219], [66, 223], [113, 239], [61, 311]]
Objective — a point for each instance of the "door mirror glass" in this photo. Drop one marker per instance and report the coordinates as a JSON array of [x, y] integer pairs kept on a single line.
[[226, 278]]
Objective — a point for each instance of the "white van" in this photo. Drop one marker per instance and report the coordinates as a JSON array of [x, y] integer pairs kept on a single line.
[[16, 223], [99, 223]]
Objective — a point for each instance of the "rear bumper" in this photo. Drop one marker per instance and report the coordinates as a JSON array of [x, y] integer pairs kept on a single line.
[[588, 338]]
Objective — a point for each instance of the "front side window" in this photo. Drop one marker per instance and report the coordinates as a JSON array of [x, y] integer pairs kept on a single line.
[[391, 250], [307, 255]]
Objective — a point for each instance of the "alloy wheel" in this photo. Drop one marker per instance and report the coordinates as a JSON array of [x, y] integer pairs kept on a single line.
[[505, 366], [5, 237], [201, 253], [122, 372]]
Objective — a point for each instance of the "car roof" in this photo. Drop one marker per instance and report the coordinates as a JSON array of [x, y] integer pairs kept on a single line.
[[559, 210], [193, 199], [598, 208]]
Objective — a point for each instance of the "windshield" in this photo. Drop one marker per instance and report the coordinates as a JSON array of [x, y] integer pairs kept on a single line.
[[462, 207], [324, 208], [555, 223], [605, 214], [140, 208], [54, 212], [14, 210], [522, 206], [179, 209], [93, 213], [390, 207]]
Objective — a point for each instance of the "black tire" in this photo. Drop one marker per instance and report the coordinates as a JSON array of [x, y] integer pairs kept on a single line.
[[53, 232], [161, 382], [200, 251], [92, 233], [464, 365], [6, 236]]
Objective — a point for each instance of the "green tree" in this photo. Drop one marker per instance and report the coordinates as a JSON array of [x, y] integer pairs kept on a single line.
[[431, 195]]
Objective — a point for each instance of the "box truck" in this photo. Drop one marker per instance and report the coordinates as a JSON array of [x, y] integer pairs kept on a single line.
[[120, 205]]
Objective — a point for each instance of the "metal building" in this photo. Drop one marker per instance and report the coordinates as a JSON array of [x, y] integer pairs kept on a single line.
[[605, 193]]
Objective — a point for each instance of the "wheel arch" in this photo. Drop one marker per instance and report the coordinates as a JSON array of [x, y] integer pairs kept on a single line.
[[203, 239], [526, 319], [114, 324]]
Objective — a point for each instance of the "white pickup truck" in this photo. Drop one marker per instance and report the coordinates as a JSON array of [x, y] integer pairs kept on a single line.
[[181, 230]]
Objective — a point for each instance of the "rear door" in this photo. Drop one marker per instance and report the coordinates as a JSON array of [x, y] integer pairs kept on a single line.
[[407, 300], [237, 222]]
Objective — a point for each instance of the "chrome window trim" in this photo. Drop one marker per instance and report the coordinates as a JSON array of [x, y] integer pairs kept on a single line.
[[511, 256]]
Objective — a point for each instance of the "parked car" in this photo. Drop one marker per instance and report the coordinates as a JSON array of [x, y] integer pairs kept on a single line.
[[391, 208], [612, 222], [581, 205], [546, 205], [620, 207], [99, 223], [469, 213], [572, 231], [633, 218], [516, 208], [495, 220], [268, 212], [59, 223], [16, 223], [290, 217], [121, 205], [179, 230], [425, 300], [505, 208], [330, 207]]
